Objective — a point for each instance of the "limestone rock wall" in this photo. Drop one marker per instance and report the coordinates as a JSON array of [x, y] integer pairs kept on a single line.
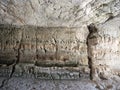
[[110, 42], [70, 38], [72, 13], [104, 48], [44, 47]]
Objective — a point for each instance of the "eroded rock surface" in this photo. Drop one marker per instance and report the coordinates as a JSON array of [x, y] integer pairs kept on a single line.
[[57, 12], [61, 39], [103, 48], [44, 47]]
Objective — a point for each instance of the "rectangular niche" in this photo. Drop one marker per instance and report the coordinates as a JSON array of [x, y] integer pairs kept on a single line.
[[43, 46]]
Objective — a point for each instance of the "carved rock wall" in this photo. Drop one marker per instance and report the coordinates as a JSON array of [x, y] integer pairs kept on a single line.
[[88, 51], [44, 47], [60, 39], [104, 48]]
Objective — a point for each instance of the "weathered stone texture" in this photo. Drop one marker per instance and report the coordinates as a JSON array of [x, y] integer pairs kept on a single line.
[[28, 45], [57, 12], [110, 32], [104, 48], [44, 47], [60, 39], [62, 44], [9, 43]]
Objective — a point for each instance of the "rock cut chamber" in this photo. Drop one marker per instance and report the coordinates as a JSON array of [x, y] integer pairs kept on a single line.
[[44, 52]]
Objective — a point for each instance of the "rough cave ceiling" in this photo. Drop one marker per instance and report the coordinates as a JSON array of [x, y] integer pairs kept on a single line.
[[70, 13]]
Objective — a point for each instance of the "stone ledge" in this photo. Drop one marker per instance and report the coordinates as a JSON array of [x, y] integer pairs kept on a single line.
[[29, 70]]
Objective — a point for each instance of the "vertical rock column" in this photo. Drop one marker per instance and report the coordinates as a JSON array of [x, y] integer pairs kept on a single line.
[[92, 41], [104, 48]]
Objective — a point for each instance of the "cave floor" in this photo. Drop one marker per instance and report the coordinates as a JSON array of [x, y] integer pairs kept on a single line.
[[36, 84]]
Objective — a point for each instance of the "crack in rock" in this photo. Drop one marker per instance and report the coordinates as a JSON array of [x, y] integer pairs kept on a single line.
[[5, 81]]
